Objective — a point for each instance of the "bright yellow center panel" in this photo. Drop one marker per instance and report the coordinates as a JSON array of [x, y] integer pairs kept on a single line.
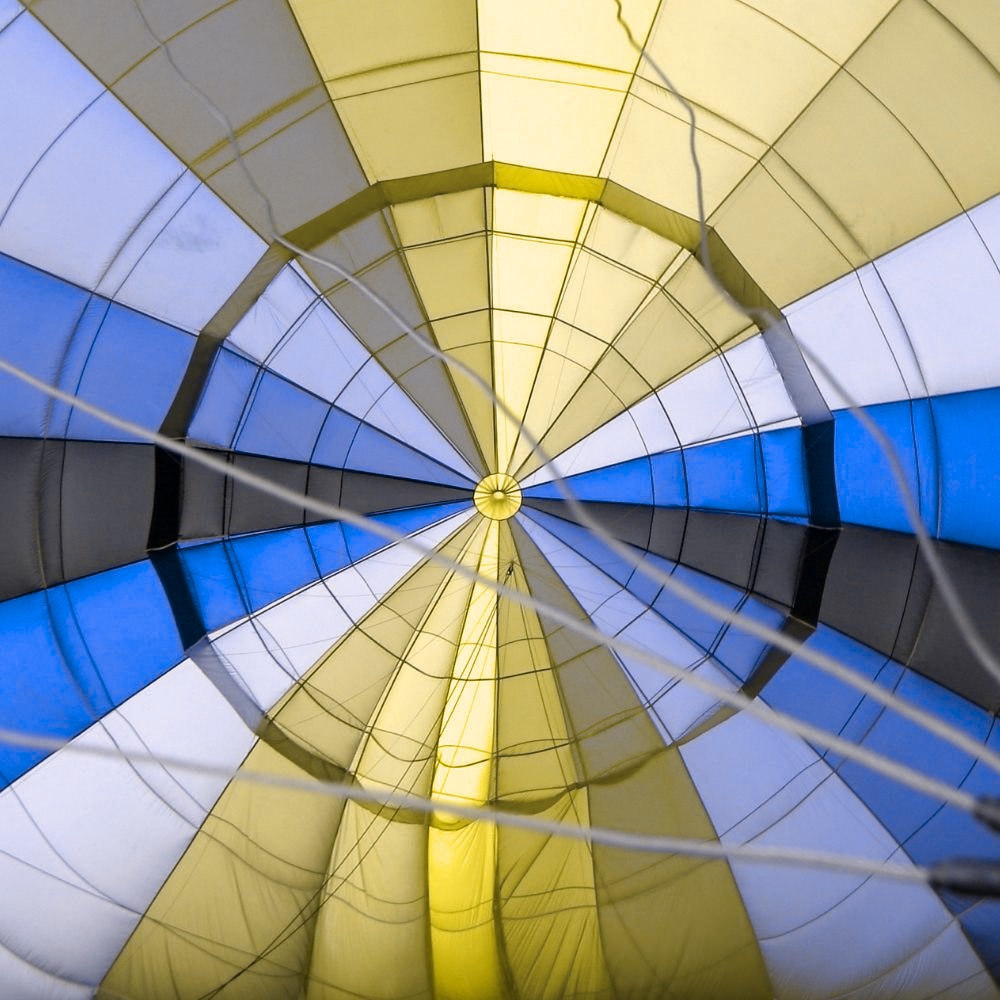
[[498, 497]]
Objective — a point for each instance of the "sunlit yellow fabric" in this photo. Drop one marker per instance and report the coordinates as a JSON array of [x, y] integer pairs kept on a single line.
[[497, 497]]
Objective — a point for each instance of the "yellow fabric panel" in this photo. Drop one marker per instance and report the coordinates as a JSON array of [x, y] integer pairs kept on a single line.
[[467, 338], [527, 274], [629, 245], [399, 73], [670, 925], [331, 708], [651, 155], [852, 150], [451, 277], [347, 39], [551, 928], [442, 218], [600, 296], [976, 20], [389, 128], [551, 92], [545, 216], [569, 360], [534, 757], [837, 36], [544, 123], [463, 768], [241, 903], [372, 937], [774, 212], [945, 109], [461, 863], [738, 64], [576, 32], [517, 351], [398, 749]]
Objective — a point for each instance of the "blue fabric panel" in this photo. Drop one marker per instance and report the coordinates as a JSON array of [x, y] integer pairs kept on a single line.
[[629, 480], [815, 697], [76, 651], [785, 472], [132, 368], [595, 551], [375, 451], [739, 651], [237, 576], [221, 406], [336, 439], [866, 489], [361, 543], [726, 475], [903, 811], [40, 314], [283, 420], [670, 486], [112, 356], [968, 426]]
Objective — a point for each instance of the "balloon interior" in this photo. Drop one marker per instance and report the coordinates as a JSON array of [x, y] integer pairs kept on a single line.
[[499, 499]]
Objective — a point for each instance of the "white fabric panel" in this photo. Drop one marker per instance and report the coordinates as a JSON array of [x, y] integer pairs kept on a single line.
[[642, 430], [760, 382], [947, 289], [185, 258], [299, 336], [9, 9], [267, 653], [764, 786], [92, 187], [20, 979], [841, 323], [87, 841], [704, 404], [925, 317], [43, 90]]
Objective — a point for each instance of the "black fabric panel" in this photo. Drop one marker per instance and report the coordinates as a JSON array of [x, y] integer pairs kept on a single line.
[[940, 651], [880, 592], [215, 505], [780, 571], [71, 508], [251, 509], [724, 546], [868, 585], [106, 505], [20, 482]]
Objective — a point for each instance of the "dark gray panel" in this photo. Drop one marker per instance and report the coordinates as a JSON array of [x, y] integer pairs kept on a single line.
[[722, 545], [204, 501], [105, 505], [868, 585], [780, 565], [20, 485], [941, 652], [251, 509], [71, 508]]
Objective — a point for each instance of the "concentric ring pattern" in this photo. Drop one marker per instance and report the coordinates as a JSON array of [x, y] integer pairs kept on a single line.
[[419, 261]]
